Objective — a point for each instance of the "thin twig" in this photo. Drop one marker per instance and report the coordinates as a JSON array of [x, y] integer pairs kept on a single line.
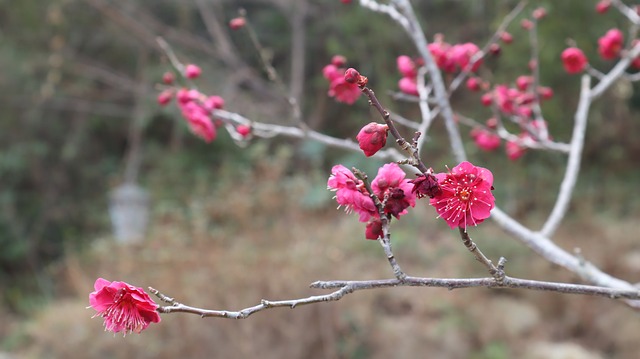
[[477, 253], [385, 240]]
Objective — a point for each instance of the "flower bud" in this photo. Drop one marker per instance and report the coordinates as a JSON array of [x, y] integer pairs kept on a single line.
[[372, 138], [352, 75], [192, 71], [237, 23]]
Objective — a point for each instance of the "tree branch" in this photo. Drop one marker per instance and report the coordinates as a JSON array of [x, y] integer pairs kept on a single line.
[[348, 287]]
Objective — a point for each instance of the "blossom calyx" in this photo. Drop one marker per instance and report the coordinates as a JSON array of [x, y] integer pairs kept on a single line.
[[425, 185]]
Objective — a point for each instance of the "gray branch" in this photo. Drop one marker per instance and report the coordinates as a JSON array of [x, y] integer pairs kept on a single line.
[[348, 287]]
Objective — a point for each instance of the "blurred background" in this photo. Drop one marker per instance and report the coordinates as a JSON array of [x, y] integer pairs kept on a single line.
[[80, 130]]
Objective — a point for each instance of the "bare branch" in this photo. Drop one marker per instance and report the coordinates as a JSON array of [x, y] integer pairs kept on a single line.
[[630, 13], [348, 287], [480, 257], [573, 162]]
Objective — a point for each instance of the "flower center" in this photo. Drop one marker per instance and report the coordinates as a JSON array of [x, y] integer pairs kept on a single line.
[[464, 194]]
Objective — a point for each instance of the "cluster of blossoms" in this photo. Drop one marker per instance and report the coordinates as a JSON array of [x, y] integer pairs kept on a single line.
[[196, 108], [516, 103], [449, 58], [390, 186], [339, 88], [125, 308], [461, 196], [610, 47]]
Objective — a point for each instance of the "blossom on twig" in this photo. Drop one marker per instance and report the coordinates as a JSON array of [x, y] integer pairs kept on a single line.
[[465, 198], [125, 308]]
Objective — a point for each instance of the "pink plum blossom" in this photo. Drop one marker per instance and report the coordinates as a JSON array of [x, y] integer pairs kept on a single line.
[[485, 140], [165, 97], [343, 91], [192, 71], [465, 198], [237, 23], [406, 66], [125, 308], [390, 184], [331, 72], [408, 85], [610, 44], [351, 193]]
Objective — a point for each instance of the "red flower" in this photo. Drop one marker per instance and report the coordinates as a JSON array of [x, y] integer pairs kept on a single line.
[[494, 49], [165, 97], [352, 75], [192, 71], [344, 91], [408, 85], [237, 23], [199, 121], [545, 92], [338, 60], [374, 229], [603, 6], [506, 37], [351, 193], [214, 103], [473, 84], [523, 82], [515, 149], [390, 184], [539, 13], [406, 66], [573, 60], [465, 198], [462, 54], [243, 130], [331, 72], [610, 44], [485, 140], [372, 138], [124, 307], [504, 98], [168, 78], [441, 54], [203, 127], [486, 99]]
